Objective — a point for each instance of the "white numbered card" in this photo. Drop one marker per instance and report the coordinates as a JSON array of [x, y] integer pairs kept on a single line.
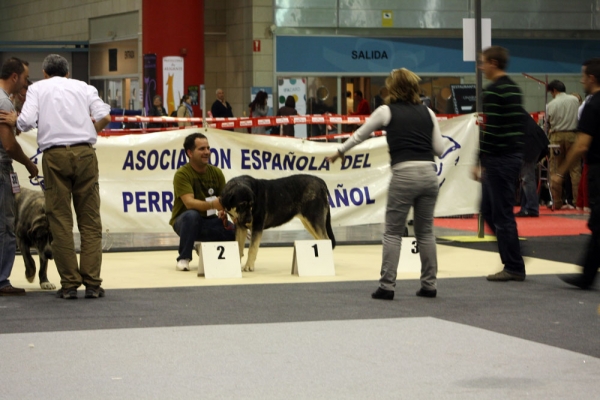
[[313, 258], [219, 260], [410, 258]]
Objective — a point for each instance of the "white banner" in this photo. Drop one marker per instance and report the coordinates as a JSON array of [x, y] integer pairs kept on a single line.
[[172, 82], [136, 172]]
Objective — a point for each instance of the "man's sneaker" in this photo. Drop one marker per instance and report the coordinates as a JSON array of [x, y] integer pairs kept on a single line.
[[505, 276], [383, 294], [68, 294], [183, 265], [567, 206], [93, 292], [10, 290]]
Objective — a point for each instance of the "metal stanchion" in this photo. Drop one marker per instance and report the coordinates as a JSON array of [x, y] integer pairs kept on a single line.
[[203, 105], [479, 93]]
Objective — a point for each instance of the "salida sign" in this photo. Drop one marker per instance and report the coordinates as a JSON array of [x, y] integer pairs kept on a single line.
[[369, 55]]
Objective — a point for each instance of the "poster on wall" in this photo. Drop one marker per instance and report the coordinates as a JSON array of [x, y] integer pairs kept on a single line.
[[149, 80], [295, 87], [172, 82], [193, 93]]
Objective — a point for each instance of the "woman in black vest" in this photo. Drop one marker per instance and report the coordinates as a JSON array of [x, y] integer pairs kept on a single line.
[[413, 137]]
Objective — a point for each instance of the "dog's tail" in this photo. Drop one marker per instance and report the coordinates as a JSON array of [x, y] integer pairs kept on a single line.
[[328, 227]]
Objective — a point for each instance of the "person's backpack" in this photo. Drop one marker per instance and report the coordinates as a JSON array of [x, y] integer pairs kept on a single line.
[[536, 142]]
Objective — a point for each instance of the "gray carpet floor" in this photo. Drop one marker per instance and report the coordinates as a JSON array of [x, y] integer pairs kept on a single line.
[[404, 358], [534, 339]]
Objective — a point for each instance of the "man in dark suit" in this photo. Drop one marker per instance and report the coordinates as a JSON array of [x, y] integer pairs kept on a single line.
[[587, 143], [221, 108]]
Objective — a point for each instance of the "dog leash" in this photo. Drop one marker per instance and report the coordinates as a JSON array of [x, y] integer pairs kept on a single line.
[[39, 182]]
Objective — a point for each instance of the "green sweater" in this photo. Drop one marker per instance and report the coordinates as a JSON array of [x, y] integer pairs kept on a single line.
[[503, 130]]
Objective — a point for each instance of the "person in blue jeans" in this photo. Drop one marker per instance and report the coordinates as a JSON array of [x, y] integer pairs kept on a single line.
[[536, 148], [197, 214], [413, 137], [13, 78], [502, 136]]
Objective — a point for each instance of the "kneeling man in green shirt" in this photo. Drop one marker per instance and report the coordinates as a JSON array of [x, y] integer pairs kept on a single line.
[[197, 213]]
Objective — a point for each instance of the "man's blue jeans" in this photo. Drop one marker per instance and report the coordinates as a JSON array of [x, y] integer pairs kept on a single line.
[[529, 198], [8, 243], [499, 184], [192, 227]]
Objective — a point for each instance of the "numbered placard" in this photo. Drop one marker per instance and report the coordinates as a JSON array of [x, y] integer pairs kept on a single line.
[[313, 258], [218, 260], [410, 259]]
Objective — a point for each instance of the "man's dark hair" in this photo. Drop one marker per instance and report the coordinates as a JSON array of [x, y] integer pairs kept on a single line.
[[11, 66], [497, 53], [190, 141], [358, 92], [557, 85], [592, 68], [55, 65]]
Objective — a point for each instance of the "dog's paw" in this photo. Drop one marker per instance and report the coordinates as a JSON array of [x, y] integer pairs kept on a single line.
[[248, 268], [47, 286], [30, 278]]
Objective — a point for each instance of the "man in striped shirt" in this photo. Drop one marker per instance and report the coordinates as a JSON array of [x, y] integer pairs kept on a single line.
[[501, 150]]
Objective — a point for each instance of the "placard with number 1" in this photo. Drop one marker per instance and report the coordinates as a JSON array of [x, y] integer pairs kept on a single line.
[[313, 258]]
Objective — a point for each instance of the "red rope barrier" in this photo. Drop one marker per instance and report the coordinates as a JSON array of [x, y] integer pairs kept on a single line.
[[247, 122]]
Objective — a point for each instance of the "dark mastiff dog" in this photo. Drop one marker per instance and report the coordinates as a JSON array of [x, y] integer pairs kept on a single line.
[[32, 230], [259, 204]]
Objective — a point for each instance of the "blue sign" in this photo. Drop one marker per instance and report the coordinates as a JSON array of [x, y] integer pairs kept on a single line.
[[378, 56]]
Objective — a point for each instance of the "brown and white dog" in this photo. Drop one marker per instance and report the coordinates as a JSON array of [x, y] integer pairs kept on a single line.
[[32, 230], [259, 204]]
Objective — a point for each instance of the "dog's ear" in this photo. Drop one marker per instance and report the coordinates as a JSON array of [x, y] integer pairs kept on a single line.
[[226, 199], [39, 226]]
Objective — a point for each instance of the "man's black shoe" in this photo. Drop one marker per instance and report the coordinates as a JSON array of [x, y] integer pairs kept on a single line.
[[383, 294], [575, 280], [523, 213], [426, 293]]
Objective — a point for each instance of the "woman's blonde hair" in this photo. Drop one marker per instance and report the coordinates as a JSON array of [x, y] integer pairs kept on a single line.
[[403, 85]]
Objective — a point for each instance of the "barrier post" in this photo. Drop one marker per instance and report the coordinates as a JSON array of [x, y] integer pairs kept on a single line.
[[203, 105]]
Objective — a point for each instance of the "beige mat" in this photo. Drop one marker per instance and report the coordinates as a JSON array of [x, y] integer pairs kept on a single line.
[[273, 265]]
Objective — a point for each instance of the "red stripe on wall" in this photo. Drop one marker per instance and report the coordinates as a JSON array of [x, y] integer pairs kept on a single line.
[[169, 27]]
